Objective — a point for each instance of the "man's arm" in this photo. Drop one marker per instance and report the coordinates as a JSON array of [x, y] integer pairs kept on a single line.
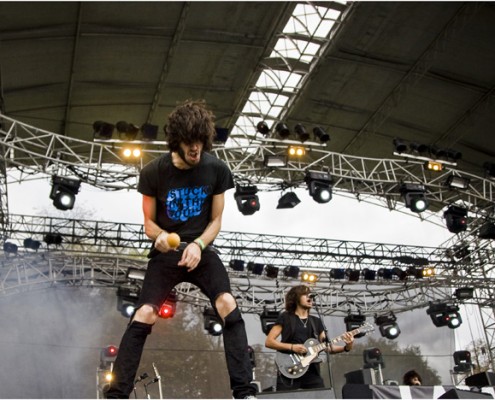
[[272, 343], [152, 230]]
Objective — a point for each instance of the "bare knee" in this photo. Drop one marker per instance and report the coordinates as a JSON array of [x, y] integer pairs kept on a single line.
[[146, 314], [225, 304]]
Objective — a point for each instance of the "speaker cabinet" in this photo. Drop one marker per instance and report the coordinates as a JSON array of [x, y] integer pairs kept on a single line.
[[364, 376], [481, 379], [464, 394]]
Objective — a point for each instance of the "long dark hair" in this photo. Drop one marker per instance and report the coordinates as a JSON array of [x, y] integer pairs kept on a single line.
[[190, 122], [293, 295]]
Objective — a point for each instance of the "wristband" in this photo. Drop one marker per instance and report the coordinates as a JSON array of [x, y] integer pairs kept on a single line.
[[159, 233], [200, 243], [346, 349]]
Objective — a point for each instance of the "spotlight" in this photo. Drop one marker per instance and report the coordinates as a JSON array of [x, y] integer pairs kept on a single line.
[[414, 196], [385, 273], [301, 132], [102, 130], [457, 182], [262, 128], [419, 148], [32, 244], [456, 218], [369, 274], [108, 355], [373, 358], [268, 319], [64, 192], [53, 238], [296, 151], [134, 274], [354, 321], [352, 275], [255, 268], [309, 277], [487, 231], [291, 271], [462, 361], [337, 273], [320, 186], [399, 145], [388, 326], [167, 310], [131, 152], [149, 132], [322, 136], [271, 271], [434, 166], [288, 200], [10, 248], [464, 293], [221, 135], [127, 297], [237, 265], [401, 274], [282, 130], [247, 200], [212, 322], [443, 314], [127, 131], [273, 161]]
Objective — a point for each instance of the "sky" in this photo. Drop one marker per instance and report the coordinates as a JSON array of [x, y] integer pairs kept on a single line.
[[343, 218]]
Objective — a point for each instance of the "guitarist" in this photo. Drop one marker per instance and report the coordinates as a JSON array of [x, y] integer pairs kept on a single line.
[[296, 325]]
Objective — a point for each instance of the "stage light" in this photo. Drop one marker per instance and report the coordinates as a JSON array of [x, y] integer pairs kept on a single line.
[[149, 132], [288, 200], [456, 218], [274, 161], [262, 128], [255, 268], [212, 322], [268, 319], [102, 130], [247, 200], [134, 274], [53, 238], [414, 196], [399, 145], [462, 361], [301, 132], [337, 273], [32, 244], [429, 272], [354, 321], [369, 274], [457, 182], [271, 271], [127, 297], [309, 277], [434, 166], [291, 271], [168, 308], [282, 130], [131, 152], [127, 131], [237, 265], [443, 314], [320, 134], [454, 154], [64, 192], [221, 135], [385, 273], [388, 326], [296, 151], [108, 355], [487, 231], [320, 186], [401, 274], [373, 358], [419, 148], [10, 248], [464, 293], [352, 274]]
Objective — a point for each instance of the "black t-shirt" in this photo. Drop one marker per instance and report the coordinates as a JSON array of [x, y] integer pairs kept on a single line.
[[297, 331], [184, 196]]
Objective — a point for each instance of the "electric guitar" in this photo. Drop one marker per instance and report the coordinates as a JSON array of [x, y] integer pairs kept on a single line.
[[294, 366]]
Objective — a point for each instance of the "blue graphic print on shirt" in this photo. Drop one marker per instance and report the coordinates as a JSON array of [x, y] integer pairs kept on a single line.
[[184, 203]]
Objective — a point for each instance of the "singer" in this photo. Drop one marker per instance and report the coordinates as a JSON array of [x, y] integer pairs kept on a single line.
[[296, 326]]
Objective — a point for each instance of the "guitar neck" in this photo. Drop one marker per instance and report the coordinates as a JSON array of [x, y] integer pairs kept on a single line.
[[341, 337]]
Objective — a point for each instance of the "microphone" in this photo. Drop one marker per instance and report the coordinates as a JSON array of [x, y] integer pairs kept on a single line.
[[144, 376], [313, 296]]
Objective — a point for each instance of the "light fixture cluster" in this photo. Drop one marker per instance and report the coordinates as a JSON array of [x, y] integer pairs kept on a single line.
[[419, 149], [268, 270], [368, 274], [123, 130], [444, 314], [281, 129]]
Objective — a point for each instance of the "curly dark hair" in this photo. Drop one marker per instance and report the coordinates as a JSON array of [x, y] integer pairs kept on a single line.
[[293, 295], [190, 122], [409, 376]]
